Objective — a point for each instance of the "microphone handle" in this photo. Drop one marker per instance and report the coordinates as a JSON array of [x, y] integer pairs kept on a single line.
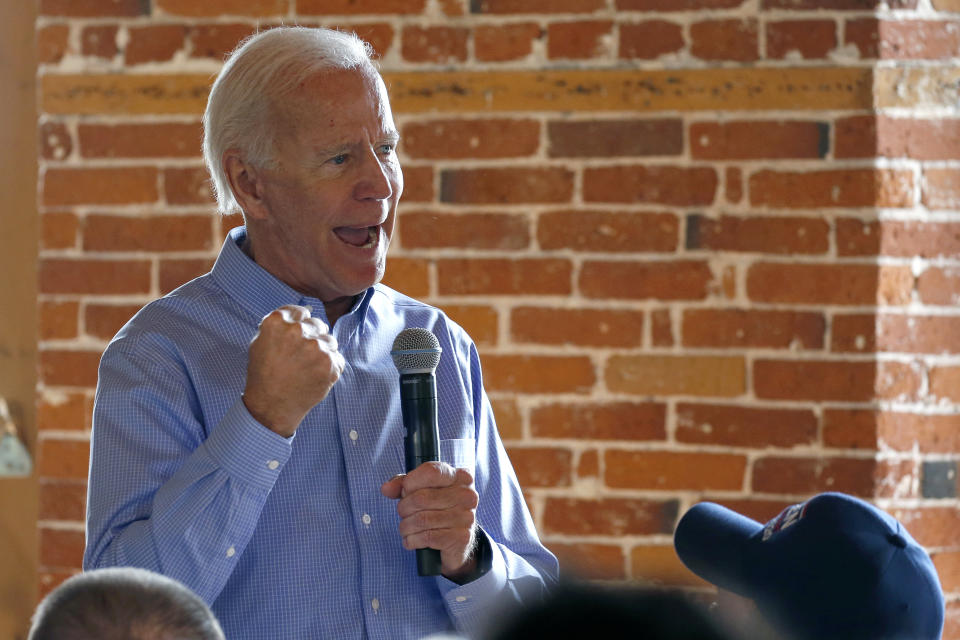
[[418, 402]]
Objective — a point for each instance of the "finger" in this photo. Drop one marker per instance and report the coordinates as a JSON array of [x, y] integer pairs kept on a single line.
[[455, 541], [315, 327], [392, 487], [457, 496], [430, 475], [423, 521], [293, 313]]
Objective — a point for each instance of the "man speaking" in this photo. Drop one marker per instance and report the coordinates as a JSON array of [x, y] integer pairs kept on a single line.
[[247, 432]]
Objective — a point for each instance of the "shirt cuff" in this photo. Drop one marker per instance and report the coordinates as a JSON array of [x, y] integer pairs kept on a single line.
[[469, 604], [247, 450]]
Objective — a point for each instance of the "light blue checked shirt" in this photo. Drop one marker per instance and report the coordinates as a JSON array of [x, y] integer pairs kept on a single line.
[[290, 538]]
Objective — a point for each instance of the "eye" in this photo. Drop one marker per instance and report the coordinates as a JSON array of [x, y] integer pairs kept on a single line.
[[339, 158], [387, 149]]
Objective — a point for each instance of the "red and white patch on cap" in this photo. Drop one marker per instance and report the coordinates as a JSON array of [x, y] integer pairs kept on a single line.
[[788, 517]]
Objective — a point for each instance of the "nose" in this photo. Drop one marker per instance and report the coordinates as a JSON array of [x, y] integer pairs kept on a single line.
[[376, 180]]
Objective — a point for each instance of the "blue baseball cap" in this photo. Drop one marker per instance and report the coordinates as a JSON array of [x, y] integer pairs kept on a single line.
[[831, 567]]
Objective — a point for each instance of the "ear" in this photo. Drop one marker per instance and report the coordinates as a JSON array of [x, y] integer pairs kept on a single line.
[[245, 183]]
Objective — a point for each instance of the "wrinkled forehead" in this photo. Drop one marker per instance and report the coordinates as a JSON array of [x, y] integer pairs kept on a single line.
[[330, 92]]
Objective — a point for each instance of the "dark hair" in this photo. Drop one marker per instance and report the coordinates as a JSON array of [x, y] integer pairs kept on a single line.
[[583, 610], [120, 604]]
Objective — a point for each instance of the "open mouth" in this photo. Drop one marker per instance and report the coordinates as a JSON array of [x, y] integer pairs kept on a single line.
[[360, 237]]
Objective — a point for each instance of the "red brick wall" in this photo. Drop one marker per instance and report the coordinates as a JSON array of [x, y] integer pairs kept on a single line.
[[705, 254]]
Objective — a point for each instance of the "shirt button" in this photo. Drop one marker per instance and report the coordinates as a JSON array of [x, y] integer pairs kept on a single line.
[[273, 464], [354, 435], [366, 518], [375, 604], [231, 551], [461, 598]]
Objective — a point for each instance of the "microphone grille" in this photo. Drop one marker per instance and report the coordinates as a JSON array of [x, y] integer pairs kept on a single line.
[[416, 350]]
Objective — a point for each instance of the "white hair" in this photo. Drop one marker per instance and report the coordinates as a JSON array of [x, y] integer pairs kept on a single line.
[[256, 77]]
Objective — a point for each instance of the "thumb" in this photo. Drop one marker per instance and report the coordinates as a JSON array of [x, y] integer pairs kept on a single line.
[[393, 488]]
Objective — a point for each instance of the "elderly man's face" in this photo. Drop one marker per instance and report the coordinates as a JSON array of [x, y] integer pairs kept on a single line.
[[329, 204]]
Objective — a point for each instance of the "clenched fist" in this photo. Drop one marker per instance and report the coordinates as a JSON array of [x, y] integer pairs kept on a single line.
[[293, 364]]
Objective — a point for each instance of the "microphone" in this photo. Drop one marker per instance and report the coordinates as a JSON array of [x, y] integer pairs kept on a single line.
[[416, 354]]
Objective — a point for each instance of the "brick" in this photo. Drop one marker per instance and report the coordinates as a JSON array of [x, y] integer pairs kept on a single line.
[[539, 374], [673, 471], [853, 333], [615, 138], [755, 427], [175, 272], [661, 328], [187, 186], [939, 286], [99, 41], [213, 8], [591, 327], [154, 43], [104, 233], [379, 35], [58, 320], [921, 139], [898, 381], [818, 380], [480, 321], [904, 39], [850, 429], [63, 459], [509, 417], [418, 184], [63, 411], [136, 140], [923, 239], [542, 466], [123, 94], [719, 376], [339, 7], [62, 500], [589, 561], [216, 40], [536, 6], [59, 230], [52, 43], [672, 280], [677, 186], [753, 328], [945, 383], [856, 137], [61, 548], [931, 526], [50, 579], [104, 320], [676, 5], [806, 39], [836, 5], [935, 335], [628, 421], [725, 40], [227, 223], [768, 234], [840, 284], [660, 566], [113, 185], [733, 179], [608, 516], [94, 8], [509, 185], [858, 237], [65, 275], [947, 564], [493, 276], [588, 466], [439, 45], [472, 138], [941, 188], [650, 39], [607, 231], [64, 368], [778, 474], [579, 40], [832, 188], [505, 42], [759, 139], [55, 141], [895, 286]]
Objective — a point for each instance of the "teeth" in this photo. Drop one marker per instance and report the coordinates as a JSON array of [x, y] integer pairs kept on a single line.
[[372, 237]]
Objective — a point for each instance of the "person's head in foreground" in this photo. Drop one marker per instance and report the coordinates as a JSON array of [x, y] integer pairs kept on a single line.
[[123, 604], [831, 567], [584, 610]]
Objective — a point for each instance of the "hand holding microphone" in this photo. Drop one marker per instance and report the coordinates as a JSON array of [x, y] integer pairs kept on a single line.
[[437, 502]]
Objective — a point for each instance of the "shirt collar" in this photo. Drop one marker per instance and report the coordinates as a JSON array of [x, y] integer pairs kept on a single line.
[[259, 292]]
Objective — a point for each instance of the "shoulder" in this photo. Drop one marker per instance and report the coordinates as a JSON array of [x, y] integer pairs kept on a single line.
[[414, 313]]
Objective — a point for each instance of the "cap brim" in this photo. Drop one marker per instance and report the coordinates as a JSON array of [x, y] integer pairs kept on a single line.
[[715, 542]]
